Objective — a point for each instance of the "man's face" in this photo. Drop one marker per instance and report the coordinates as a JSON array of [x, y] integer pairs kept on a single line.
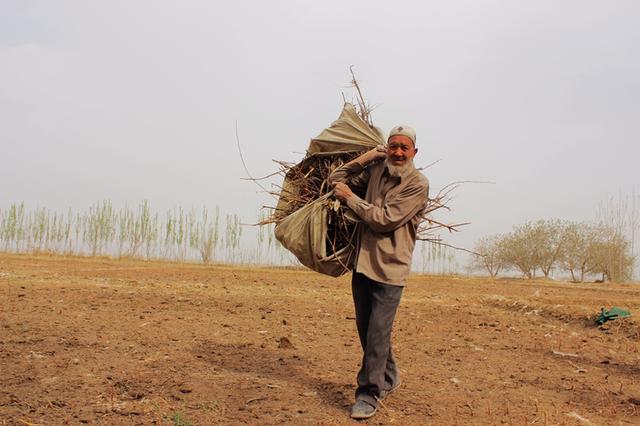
[[400, 150]]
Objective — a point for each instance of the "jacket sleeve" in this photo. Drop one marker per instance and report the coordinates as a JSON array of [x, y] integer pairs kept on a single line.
[[352, 174], [396, 210]]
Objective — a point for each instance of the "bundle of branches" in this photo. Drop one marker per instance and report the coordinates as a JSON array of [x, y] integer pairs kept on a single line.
[[306, 182], [314, 226]]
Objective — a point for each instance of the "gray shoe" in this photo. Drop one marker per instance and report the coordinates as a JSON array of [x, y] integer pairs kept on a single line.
[[362, 410], [386, 393]]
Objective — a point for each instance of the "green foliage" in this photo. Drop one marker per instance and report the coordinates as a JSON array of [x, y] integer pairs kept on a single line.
[[179, 419], [13, 226], [233, 234], [99, 226], [205, 235], [137, 232]]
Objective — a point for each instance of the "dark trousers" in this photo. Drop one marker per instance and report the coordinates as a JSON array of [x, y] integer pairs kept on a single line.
[[376, 305]]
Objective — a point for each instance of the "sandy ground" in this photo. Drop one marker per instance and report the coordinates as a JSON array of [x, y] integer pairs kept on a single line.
[[104, 341]]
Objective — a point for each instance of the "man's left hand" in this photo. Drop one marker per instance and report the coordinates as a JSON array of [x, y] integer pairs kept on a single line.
[[341, 191]]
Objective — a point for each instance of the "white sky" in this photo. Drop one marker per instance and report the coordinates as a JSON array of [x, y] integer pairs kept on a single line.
[[132, 100]]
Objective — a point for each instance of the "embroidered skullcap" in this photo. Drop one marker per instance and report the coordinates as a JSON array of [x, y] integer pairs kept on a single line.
[[404, 131]]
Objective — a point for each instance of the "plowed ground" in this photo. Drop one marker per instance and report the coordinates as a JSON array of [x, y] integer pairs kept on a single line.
[[104, 341]]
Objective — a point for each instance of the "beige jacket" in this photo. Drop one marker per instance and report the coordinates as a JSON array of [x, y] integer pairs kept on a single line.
[[390, 211]]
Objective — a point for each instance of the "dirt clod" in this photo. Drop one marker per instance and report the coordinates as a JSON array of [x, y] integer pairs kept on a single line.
[[285, 343]]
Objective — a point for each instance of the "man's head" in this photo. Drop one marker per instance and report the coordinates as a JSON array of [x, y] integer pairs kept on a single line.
[[401, 148]]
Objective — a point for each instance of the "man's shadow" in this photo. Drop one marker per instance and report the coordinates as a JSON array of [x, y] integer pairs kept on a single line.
[[281, 364]]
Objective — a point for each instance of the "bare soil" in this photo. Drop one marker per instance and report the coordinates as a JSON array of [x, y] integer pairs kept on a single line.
[[104, 341]]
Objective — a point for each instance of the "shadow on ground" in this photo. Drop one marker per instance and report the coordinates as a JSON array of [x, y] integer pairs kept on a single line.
[[281, 365]]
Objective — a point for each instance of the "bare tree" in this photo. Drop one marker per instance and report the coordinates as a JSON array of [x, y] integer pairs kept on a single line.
[[548, 240], [519, 250], [534, 246], [621, 215], [582, 249], [578, 253], [612, 256], [206, 235], [490, 255]]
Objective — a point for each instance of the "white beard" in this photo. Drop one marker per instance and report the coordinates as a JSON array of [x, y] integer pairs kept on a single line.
[[399, 171]]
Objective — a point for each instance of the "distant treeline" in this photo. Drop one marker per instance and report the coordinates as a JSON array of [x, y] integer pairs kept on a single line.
[[582, 250], [178, 234], [137, 232]]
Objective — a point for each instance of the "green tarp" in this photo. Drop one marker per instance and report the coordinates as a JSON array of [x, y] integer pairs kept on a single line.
[[611, 314]]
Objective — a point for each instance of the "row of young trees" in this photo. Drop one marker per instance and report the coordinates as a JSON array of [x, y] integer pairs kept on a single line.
[[178, 234], [432, 258], [582, 250], [133, 232]]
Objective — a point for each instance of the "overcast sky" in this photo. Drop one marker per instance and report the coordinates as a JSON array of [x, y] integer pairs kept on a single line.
[[132, 100]]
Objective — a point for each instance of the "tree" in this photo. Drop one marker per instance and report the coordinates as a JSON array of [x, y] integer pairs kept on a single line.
[[548, 240], [577, 255], [581, 249], [622, 216], [491, 255], [612, 256], [533, 246], [205, 238], [519, 250]]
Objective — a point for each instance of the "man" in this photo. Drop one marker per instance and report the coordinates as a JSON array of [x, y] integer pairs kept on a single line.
[[396, 195]]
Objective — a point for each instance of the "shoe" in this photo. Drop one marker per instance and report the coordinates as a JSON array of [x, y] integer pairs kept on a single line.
[[386, 393], [362, 410]]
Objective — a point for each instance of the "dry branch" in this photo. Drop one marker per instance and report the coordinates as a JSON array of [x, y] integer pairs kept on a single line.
[[307, 181]]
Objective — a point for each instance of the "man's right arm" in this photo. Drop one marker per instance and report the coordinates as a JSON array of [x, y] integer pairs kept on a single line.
[[353, 173]]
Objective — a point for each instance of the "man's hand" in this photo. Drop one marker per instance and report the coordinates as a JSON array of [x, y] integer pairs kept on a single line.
[[377, 153], [341, 191]]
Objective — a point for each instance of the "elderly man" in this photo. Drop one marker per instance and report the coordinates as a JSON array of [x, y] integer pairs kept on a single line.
[[396, 195]]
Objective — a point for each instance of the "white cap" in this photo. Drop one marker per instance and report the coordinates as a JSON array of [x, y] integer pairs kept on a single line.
[[403, 131]]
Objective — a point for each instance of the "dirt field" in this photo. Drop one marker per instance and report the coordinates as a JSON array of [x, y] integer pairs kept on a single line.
[[105, 341]]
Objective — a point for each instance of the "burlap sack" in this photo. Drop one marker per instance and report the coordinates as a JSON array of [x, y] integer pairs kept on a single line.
[[304, 232]]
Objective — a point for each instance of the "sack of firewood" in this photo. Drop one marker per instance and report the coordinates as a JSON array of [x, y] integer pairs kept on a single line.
[[310, 223]]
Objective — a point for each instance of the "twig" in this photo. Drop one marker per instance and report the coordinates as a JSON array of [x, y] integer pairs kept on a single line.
[[450, 228], [245, 164], [264, 177], [579, 418], [383, 405], [430, 164], [441, 243], [364, 110]]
